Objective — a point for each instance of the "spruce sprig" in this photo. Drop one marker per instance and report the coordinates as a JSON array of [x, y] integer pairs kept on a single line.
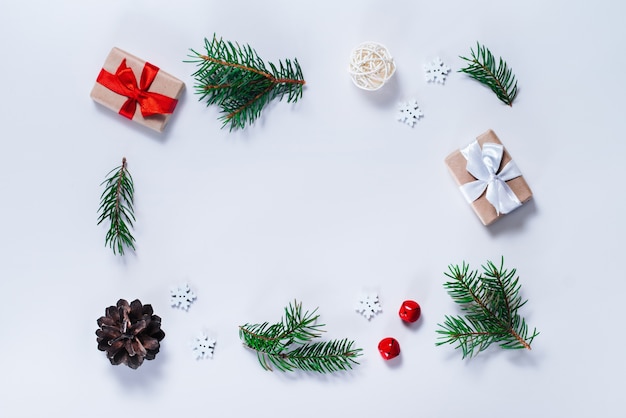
[[499, 78], [287, 346], [236, 79], [116, 205], [490, 302]]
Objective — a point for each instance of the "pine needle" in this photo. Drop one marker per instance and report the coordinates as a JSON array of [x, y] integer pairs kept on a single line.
[[490, 302], [116, 205], [499, 78], [236, 79], [287, 345]]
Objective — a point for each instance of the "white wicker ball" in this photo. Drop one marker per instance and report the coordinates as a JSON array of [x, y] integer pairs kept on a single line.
[[371, 66]]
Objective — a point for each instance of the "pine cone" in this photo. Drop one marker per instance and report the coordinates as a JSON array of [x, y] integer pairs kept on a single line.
[[129, 333]]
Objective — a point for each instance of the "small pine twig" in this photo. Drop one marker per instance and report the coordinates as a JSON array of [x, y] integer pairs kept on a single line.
[[499, 78], [287, 345], [116, 205], [236, 79], [490, 302]]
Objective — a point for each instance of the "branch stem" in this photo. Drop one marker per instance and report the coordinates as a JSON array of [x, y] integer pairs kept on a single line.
[[118, 193], [491, 74], [253, 70]]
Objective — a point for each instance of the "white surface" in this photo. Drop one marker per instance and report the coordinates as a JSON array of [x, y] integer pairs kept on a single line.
[[317, 201]]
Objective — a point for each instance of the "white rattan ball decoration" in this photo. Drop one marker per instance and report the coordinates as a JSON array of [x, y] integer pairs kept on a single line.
[[371, 66]]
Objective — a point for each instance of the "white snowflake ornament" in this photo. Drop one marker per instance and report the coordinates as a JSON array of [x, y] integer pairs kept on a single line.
[[436, 71], [409, 112], [203, 346], [369, 305], [182, 297]]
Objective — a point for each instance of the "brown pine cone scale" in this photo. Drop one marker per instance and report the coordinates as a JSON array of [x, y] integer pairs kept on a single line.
[[129, 333]]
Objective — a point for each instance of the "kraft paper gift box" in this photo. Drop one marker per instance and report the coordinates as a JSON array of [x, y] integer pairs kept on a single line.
[[137, 90], [488, 178]]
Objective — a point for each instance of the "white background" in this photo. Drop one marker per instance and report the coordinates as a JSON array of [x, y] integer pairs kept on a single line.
[[317, 201]]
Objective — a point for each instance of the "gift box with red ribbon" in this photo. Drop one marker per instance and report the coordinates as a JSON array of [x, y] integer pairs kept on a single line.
[[488, 178], [137, 90]]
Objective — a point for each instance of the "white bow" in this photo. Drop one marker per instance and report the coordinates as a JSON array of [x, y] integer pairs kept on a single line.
[[483, 165]]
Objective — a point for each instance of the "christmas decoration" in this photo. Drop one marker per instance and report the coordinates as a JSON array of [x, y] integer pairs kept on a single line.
[[410, 311], [490, 302], [368, 305], [127, 84], [488, 178], [116, 205], [409, 112], [182, 297], [389, 348], [203, 346], [129, 334], [499, 78], [436, 71], [371, 66], [287, 345], [236, 79]]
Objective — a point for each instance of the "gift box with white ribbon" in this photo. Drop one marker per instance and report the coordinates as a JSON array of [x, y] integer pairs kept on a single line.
[[488, 178]]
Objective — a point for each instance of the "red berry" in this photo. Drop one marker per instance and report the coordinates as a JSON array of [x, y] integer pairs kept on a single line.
[[410, 311], [389, 348]]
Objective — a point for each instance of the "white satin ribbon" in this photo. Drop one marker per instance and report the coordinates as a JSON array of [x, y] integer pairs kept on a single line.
[[483, 164]]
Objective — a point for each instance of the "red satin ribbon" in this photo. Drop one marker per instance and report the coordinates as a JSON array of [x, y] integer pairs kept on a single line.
[[124, 82]]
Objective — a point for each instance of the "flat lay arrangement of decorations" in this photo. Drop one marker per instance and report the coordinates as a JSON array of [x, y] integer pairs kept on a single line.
[[234, 77], [279, 208]]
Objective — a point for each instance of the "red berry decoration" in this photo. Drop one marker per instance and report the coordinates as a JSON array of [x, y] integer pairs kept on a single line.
[[389, 348], [410, 311]]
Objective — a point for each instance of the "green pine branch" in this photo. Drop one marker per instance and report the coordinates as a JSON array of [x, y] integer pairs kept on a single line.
[[116, 205], [287, 346], [236, 79], [490, 302], [499, 78]]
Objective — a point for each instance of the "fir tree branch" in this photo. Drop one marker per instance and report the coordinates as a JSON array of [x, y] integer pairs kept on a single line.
[[236, 79], [116, 205], [296, 327], [322, 357], [499, 78], [274, 344], [490, 302]]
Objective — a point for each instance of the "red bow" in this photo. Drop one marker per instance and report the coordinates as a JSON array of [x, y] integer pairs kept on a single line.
[[124, 82]]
